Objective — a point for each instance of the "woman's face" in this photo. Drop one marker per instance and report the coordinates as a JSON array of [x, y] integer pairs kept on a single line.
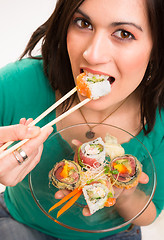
[[111, 37]]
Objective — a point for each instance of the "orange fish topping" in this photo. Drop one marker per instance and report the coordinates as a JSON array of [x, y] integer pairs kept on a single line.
[[82, 86]]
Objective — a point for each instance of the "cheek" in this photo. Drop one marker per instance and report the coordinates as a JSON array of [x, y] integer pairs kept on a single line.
[[73, 48], [71, 52], [138, 62], [73, 43], [69, 44], [134, 65], [131, 67]]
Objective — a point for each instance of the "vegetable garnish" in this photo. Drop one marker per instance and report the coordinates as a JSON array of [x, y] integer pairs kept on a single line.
[[71, 194], [69, 203], [106, 169], [90, 181], [114, 172]]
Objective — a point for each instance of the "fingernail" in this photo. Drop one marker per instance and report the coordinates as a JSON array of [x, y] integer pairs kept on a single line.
[[50, 130]]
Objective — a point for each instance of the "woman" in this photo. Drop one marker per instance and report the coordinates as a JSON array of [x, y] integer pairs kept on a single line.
[[118, 38]]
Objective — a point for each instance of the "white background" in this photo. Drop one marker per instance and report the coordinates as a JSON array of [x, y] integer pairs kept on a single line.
[[18, 20]]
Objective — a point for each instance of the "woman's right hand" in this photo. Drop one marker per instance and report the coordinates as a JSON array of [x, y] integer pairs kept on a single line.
[[11, 172]]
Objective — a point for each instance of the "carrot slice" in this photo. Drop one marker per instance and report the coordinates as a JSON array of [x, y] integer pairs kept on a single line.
[[120, 167], [69, 203], [110, 202], [64, 199]]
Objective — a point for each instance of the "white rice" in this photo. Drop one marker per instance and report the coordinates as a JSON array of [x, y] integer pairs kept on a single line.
[[95, 204], [98, 89], [99, 157]]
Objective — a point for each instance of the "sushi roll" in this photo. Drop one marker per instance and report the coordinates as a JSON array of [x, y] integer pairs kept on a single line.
[[93, 85], [96, 196], [65, 175], [125, 171], [91, 154]]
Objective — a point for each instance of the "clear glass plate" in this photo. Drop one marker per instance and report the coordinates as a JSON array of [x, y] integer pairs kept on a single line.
[[58, 147]]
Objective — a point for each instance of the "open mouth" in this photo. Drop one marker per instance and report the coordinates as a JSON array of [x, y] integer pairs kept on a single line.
[[109, 78], [93, 84]]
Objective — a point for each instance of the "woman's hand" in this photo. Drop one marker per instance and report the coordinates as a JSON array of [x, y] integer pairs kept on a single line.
[[122, 192], [119, 192], [11, 172]]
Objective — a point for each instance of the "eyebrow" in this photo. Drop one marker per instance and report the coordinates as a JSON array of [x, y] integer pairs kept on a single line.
[[114, 24], [82, 13]]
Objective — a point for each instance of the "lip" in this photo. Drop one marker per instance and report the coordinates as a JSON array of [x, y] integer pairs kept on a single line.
[[94, 72]]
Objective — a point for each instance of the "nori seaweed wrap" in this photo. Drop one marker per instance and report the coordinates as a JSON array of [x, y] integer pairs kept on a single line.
[[65, 175], [125, 171]]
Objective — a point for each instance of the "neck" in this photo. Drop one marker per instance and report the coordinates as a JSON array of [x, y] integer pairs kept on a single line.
[[93, 115]]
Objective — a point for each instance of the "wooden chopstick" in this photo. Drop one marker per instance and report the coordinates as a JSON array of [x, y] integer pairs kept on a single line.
[[40, 117], [19, 144]]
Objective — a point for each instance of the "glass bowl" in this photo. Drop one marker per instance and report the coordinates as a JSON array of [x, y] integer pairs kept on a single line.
[[58, 147]]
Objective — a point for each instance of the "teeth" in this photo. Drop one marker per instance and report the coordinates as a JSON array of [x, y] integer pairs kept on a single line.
[[98, 76]]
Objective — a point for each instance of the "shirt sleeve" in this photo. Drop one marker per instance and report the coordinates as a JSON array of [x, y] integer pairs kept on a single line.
[[6, 99], [25, 92]]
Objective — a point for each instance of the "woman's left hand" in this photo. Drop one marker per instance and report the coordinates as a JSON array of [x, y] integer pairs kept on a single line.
[[122, 192]]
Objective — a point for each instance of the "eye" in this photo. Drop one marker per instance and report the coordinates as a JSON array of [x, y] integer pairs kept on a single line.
[[82, 23], [123, 35]]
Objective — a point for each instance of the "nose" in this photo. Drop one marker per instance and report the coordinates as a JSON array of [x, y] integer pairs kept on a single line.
[[97, 50]]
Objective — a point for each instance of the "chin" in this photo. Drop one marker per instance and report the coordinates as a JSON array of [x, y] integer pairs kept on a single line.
[[98, 104]]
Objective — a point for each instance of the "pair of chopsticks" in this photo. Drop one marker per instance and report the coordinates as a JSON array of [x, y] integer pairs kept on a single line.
[[55, 105]]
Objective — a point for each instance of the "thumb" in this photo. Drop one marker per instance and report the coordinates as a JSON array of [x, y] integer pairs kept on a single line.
[[17, 132], [76, 142], [144, 179]]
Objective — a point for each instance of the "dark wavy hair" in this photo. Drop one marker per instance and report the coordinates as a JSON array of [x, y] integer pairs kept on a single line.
[[57, 67]]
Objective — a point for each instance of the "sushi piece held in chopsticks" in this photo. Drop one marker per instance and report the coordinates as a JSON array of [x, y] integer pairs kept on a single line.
[[93, 85], [125, 171], [91, 154], [97, 196], [65, 175]]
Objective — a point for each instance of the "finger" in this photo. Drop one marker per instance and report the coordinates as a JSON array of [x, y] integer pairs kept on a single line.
[[61, 193], [29, 164], [86, 212], [144, 179], [17, 132], [18, 172], [31, 146], [37, 141], [117, 191], [28, 121], [22, 121], [76, 142]]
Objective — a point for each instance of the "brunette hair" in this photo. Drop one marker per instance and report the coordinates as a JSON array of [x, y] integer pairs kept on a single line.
[[57, 67]]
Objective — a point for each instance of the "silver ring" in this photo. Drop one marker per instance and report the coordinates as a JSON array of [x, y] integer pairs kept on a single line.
[[22, 153], [17, 158]]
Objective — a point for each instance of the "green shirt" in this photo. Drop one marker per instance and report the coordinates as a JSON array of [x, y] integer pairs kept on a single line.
[[25, 92]]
